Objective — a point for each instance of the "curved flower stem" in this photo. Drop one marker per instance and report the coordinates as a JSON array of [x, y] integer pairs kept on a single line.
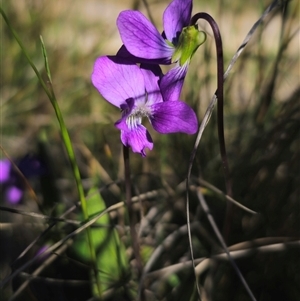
[[220, 97], [219, 93], [65, 137], [131, 215]]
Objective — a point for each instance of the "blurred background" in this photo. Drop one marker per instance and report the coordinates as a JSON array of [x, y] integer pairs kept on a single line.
[[261, 112]]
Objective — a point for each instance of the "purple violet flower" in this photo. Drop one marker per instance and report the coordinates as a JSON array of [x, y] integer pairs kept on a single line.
[[41, 253], [136, 92], [12, 192], [139, 34], [10, 182], [4, 170], [179, 41]]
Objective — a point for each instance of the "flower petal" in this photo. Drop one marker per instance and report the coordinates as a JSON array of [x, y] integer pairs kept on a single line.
[[172, 82], [14, 194], [123, 52], [5, 167], [122, 124], [117, 79], [138, 139], [140, 37], [173, 116], [152, 75], [176, 16]]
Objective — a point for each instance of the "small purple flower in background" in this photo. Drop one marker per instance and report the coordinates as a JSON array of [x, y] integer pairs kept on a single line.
[[12, 193], [136, 92], [10, 181], [4, 170], [42, 250], [143, 43]]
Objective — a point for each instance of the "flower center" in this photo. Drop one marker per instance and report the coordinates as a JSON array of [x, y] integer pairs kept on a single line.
[[136, 116]]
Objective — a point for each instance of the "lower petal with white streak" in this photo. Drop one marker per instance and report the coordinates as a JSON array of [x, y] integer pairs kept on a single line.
[[138, 139]]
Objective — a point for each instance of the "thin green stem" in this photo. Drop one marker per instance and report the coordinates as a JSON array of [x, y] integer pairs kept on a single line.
[[66, 140], [25, 53]]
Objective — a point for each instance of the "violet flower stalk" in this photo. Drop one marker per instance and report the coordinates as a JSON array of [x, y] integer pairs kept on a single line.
[[136, 92]]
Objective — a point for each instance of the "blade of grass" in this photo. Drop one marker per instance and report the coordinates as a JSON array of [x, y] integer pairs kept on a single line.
[[207, 115], [40, 269], [240, 250], [86, 224], [46, 59], [64, 132], [223, 244]]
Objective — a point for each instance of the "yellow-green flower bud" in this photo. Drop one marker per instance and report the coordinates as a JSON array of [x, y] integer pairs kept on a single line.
[[189, 41]]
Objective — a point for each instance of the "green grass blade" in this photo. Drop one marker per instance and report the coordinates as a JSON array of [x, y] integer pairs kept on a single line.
[[64, 132], [46, 59]]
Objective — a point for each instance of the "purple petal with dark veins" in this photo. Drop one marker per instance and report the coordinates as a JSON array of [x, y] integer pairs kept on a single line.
[[152, 75], [140, 37], [138, 139], [176, 16], [117, 79], [172, 82], [172, 117]]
